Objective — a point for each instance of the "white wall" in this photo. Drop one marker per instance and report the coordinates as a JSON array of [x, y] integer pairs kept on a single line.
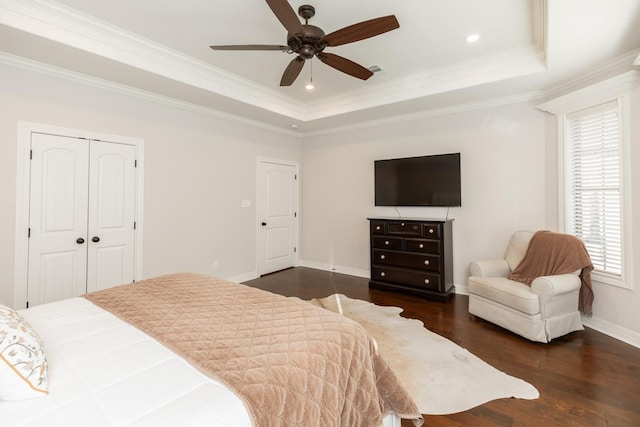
[[504, 156], [509, 181], [198, 169]]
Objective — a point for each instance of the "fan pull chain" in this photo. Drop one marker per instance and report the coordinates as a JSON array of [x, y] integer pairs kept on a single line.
[[310, 86]]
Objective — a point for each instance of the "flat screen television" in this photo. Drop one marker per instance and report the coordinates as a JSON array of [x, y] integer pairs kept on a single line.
[[419, 181]]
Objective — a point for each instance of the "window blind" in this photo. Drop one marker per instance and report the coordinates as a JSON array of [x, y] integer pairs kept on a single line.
[[594, 163]]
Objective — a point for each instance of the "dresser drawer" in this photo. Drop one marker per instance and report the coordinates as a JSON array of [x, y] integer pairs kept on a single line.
[[402, 228], [377, 227], [384, 242], [431, 231], [423, 246], [418, 279], [406, 259]]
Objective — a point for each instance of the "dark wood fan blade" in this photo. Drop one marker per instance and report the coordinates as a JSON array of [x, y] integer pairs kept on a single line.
[[286, 15], [345, 65], [292, 71], [361, 31], [250, 47]]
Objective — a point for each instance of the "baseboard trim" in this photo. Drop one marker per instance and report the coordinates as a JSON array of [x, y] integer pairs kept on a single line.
[[336, 269], [462, 289], [625, 335], [613, 330], [243, 277]]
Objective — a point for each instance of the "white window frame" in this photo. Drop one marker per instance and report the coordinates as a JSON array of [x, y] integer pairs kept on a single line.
[[613, 90], [621, 107], [617, 90]]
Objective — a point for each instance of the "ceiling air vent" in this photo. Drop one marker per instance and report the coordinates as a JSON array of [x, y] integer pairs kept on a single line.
[[375, 69]]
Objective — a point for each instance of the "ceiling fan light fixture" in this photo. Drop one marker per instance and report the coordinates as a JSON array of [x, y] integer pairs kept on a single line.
[[310, 86]]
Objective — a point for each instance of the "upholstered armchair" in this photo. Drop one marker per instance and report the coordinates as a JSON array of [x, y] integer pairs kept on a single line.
[[546, 309]]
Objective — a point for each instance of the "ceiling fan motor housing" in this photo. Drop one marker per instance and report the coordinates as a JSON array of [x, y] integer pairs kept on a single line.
[[306, 45]]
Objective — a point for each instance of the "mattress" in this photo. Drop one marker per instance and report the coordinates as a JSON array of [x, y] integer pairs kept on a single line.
[[105, 372]]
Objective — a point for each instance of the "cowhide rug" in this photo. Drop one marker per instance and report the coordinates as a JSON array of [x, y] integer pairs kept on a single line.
[[443, 377]]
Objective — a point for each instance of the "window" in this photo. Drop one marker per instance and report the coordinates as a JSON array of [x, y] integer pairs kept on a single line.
[[594, 133], [594, 187]]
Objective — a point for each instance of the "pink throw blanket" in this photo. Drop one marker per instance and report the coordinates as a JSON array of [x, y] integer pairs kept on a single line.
[[552, 253]]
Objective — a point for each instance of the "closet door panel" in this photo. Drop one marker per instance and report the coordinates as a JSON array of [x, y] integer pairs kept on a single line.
[[57, 218], [112, 182]]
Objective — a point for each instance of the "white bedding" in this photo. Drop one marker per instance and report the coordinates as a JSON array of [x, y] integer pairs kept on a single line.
[[105, 372]]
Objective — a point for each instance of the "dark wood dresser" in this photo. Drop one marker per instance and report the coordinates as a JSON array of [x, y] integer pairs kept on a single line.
[[412, 255]]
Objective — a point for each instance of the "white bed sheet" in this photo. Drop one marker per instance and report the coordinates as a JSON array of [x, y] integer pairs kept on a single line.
[[105, 372]]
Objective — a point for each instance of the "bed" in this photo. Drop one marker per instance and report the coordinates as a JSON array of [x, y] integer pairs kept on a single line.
[[191, 350]]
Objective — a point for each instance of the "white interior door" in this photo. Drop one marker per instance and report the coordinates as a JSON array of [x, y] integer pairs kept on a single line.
[[278, 206], [81, 217], [111, 217], [57, 218]]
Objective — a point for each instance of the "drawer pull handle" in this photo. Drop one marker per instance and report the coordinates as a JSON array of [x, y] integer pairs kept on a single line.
[[421, 246], [431, 230], [386, 242], [426, 281], [382, 274], [426, 262], [402, 224], [377, 227], [382, 257]]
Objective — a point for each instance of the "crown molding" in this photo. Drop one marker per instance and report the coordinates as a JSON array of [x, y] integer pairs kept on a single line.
[[38, 67], [519, 61], [70, 27], [30, 65], [597, 93], [488, 103], [507, 64], [615, 66]]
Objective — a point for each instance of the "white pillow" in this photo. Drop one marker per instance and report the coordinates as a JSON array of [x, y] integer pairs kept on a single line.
[[23, 362]]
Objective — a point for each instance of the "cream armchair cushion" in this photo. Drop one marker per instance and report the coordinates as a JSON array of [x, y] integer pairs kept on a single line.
[[545, 310]]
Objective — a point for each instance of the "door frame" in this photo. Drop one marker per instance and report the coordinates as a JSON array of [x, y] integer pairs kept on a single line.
[[23, 188], [259, 201]]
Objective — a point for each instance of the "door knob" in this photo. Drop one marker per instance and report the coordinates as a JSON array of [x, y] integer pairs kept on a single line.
[[79, 240], [95, 239]]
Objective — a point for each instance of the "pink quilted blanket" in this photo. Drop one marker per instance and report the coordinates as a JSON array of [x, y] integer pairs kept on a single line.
[[552, 253], [293, 364]]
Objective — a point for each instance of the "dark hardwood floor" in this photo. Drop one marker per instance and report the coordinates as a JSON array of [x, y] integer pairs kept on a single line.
[[585, 378]]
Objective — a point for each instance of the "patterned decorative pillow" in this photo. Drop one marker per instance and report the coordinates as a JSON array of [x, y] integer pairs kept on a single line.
[[23, 362]]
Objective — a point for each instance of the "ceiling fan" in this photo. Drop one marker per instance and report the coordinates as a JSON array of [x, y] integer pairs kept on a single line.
[[308, 41]]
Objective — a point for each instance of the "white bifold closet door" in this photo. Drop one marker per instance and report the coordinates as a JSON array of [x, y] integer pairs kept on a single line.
[[81, 217]]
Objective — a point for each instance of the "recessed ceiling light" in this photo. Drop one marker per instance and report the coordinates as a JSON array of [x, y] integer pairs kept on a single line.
[[472, 38], [293, 126]]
